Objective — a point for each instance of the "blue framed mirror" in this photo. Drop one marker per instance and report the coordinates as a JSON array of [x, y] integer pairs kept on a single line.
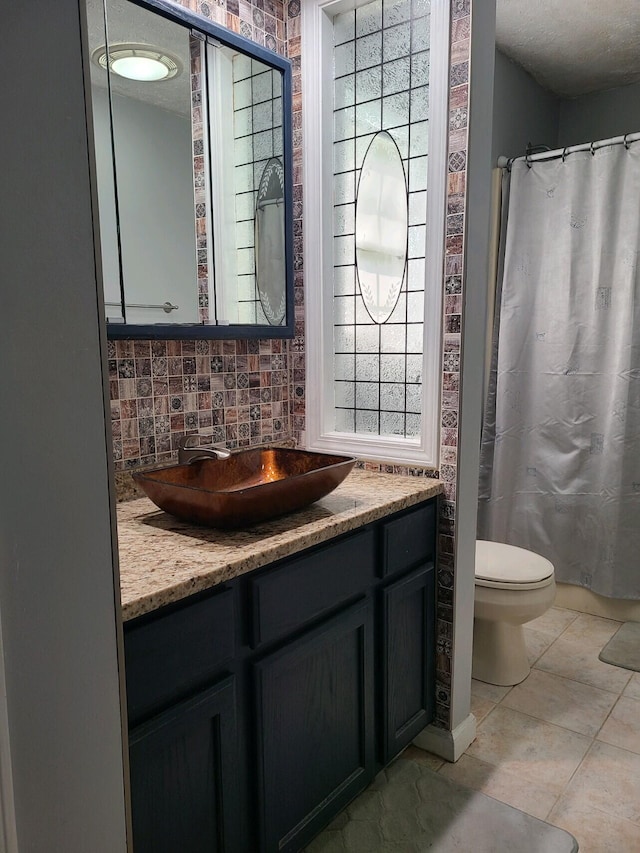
[[193, 156]]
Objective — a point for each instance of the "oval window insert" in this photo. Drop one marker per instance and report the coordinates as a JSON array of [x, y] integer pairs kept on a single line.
[[381, 227]]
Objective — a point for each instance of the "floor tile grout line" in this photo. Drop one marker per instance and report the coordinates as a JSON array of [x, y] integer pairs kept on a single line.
[[582, 760], [608, 715], [572, 680], [555, 803], [592, 739], [541, 720], [578, 614], [533, 784], [487, 715], [588, 684], [616, 746], [616, 694], [577, 770], [605, 813], [497, 766]]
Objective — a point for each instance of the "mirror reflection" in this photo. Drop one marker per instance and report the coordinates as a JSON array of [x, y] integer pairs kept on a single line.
[[248, 112], [269, 242], [189, 157]]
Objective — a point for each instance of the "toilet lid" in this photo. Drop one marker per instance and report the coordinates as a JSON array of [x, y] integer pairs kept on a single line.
[[500, 563]]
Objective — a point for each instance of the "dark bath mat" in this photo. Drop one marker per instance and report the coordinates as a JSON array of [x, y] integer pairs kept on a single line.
[[411, 809], [623, 649]]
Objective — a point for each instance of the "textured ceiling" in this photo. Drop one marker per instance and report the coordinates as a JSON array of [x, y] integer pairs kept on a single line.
[[128, 23], [572, 47]]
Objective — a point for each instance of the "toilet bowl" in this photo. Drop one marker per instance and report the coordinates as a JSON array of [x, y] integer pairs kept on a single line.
[[513, 586]]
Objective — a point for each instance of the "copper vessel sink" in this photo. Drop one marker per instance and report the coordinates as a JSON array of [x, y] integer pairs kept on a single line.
[[250, 486]]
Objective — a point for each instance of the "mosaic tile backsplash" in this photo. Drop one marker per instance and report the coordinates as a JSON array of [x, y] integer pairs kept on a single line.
[[237, 392]]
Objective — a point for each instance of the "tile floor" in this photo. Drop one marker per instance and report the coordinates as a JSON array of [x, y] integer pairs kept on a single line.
[[410, 809], [564, 745]]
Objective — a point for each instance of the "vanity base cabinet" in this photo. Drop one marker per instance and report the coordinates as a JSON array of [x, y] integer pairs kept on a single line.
[[261, 708], [408, 671], [183, 776], [314, 727]]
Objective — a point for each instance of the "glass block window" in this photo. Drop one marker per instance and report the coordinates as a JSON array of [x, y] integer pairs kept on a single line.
[[380, 83], [257, 130]]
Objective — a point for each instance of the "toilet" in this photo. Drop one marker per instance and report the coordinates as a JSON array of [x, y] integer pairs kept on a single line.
[[513, 586]]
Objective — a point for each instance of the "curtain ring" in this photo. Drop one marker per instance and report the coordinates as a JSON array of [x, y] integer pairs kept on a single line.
[[528, 161], [592, 149], [625, 141], [564, 154]]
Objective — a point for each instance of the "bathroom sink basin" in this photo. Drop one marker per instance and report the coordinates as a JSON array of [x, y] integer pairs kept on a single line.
[[250, 486]]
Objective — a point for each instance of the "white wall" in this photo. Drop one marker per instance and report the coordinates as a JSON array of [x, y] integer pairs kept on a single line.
[[57, 602], [600, 115], [155, 203], [522, 111], [106, 199]]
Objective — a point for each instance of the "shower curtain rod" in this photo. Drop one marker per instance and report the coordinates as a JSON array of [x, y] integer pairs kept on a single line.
[[557, 153]]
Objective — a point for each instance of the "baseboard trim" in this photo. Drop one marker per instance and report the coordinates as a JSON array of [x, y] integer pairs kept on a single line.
[[448, 744]]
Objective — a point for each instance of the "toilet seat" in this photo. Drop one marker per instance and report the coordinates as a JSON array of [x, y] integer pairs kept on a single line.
[[501, 566]]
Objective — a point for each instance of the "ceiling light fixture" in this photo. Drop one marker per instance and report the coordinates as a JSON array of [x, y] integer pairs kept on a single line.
[[142, 62]]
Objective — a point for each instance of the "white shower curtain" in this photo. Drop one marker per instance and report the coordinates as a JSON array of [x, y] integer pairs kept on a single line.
[[560, 461]]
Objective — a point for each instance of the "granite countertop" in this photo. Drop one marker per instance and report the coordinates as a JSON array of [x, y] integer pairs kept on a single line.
[[163, 560]]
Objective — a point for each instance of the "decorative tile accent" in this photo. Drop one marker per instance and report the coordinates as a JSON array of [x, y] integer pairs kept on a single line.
[[460, 9], [452, 328], [455, 223], [457, 161], [459, 74], [291, 13], [199, 178], [402, 470], [458, 118]]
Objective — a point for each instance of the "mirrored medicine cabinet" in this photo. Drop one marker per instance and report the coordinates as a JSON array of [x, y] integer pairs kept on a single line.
[[193, 161]]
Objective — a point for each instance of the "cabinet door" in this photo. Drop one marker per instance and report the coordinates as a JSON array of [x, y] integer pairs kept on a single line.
[[183, 787], [408, 608], [315, 739]]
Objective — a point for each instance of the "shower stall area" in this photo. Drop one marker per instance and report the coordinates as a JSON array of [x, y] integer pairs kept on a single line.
[[560, 454], [560, 461]]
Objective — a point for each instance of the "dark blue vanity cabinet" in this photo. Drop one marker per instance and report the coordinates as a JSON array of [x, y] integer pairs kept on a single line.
[[183, 775], [259, 709], [182, 699]]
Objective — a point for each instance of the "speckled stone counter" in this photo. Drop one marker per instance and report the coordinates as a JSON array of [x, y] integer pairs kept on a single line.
[[163, 560]]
